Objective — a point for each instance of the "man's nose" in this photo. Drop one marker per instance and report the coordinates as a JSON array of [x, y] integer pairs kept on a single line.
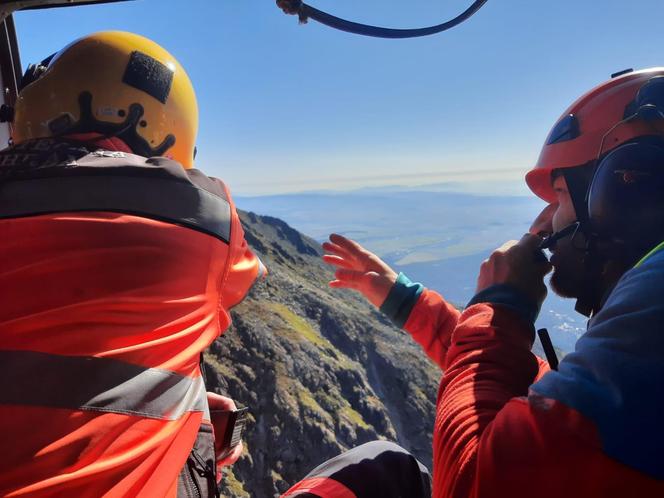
[[543, 224]]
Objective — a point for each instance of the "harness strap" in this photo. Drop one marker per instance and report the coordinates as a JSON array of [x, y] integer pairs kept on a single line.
[[154, 198]]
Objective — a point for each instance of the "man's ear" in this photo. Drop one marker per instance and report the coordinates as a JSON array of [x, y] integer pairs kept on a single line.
[[543, 224]]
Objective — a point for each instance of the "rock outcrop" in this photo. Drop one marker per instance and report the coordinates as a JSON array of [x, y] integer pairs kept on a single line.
[[320, 369]]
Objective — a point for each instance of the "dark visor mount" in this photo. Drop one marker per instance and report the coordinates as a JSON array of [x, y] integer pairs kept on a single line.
[[565, 129]]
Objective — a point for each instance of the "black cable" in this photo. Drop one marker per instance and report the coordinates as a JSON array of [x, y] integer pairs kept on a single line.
[[305, 12]]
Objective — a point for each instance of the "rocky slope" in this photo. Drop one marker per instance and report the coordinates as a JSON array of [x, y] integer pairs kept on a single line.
[[320, 370]]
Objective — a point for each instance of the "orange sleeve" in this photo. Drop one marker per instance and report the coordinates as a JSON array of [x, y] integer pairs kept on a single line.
[[488, 363], [431, 323], [244, 267]]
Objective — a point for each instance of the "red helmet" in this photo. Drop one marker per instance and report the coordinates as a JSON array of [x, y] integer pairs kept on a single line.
[[589, 128]]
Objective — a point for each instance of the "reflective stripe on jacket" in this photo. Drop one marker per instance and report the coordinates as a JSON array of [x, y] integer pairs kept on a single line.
[[116, 272]]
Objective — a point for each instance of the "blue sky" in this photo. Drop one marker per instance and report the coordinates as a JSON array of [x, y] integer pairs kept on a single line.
[[289, 108]]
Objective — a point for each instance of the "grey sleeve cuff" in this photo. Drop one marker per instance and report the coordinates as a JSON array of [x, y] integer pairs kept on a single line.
[[510, 296], [401, 300]]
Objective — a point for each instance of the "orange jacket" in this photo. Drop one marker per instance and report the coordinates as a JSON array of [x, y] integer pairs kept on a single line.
[[115, 275], [497, 435]]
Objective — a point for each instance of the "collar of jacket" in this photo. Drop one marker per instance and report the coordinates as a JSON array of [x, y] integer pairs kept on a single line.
[[654, 251]]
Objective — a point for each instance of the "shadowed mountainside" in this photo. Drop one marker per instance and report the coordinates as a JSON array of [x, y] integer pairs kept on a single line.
[[320, 369]]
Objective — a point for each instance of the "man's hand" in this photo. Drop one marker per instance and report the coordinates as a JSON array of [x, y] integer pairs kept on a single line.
[[218, 402], [520, 264], [359, 269]]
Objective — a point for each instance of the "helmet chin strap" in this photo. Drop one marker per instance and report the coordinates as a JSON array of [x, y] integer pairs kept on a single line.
[[591, 298]]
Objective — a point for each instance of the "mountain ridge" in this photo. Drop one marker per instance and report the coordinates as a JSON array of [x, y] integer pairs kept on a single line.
[[320, 369]]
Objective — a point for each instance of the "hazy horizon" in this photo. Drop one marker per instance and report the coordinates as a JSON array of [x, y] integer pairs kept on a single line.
[[514, 187]]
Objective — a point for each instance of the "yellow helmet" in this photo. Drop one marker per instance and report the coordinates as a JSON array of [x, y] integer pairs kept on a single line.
[[116, 84]]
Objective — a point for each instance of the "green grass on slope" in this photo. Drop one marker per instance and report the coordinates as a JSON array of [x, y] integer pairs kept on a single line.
[[301, 326]]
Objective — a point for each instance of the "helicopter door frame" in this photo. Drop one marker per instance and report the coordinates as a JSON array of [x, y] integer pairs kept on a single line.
[[10, 72]]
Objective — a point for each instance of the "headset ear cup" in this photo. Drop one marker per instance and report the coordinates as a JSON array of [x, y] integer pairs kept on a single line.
[[30, 76], [626, 195], [602, 198], [34, 72]]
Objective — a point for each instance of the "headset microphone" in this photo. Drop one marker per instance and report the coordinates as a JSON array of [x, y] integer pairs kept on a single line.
[[551, 240]]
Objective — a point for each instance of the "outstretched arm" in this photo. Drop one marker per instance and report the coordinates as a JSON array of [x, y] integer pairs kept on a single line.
[[428, 318]]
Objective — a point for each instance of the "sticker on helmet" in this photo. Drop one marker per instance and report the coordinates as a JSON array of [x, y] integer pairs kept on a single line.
[[149, 75]]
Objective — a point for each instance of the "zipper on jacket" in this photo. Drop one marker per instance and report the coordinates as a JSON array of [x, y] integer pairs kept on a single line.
[[194, 485], [206, 470]]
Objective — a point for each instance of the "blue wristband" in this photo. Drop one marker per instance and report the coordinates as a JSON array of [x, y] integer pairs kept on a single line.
[[400, 301]]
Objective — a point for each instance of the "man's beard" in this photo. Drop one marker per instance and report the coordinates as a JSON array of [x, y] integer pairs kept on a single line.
[[571, 277]]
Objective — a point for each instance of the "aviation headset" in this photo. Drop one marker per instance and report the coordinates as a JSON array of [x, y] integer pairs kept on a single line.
[[626, 193]]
